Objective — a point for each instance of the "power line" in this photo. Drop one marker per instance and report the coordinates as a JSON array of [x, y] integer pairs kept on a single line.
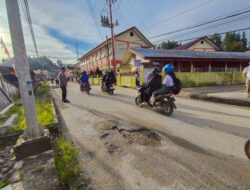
[[137, 16], [92, 12], [214, 26], [86, 18], [181, 13], [238, 30], [202, 24], [26, 11]]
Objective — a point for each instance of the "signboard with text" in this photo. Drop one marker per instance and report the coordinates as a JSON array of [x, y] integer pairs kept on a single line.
[[137, 63]]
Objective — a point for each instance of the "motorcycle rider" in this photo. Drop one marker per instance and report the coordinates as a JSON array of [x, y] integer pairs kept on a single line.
[[153, 84], [167, 83], [108, 79], [85, 80]]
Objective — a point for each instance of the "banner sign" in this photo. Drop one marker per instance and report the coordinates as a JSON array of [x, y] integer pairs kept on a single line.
[[137, 63]]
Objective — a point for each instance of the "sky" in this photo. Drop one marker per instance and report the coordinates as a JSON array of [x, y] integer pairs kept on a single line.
[[61, 24]]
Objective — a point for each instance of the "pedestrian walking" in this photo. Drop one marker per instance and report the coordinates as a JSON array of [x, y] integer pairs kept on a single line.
[[246, 73], [63, 84], [137, 79]]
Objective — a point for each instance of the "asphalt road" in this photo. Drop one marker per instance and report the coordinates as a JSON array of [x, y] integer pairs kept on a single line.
[[201, 146]]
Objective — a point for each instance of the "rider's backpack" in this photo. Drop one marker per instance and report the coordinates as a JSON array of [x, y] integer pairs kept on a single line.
[[176, 89]]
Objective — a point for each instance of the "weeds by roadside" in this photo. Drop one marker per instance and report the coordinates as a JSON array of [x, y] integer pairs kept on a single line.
[[66, 160], [4, 183], [44, 109]]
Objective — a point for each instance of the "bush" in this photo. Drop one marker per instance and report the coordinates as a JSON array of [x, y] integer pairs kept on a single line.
[[66, 160], [4, 183], [44, 108]]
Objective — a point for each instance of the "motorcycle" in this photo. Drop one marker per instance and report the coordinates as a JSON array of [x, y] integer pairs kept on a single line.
[[109, 88], [85, 87], [163, 104], [247, 149]]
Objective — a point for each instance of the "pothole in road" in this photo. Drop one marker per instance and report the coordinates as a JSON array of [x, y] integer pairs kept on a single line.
[[107, 125], [142, 137], [112, 148]]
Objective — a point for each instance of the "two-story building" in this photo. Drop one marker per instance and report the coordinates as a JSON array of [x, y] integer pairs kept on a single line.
[[100, 57]]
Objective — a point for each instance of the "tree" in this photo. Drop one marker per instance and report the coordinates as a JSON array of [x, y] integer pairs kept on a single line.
[[232, 42], [43, 63], [244, 40], [168, 45], [217, 39]]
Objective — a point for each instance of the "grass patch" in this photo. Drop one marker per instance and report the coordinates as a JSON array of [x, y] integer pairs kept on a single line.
[[2, 120], [66, 161], [4, 183], [44, 108]]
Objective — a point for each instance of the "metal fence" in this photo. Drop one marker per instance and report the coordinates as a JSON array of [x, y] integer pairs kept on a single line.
[[188, 79]]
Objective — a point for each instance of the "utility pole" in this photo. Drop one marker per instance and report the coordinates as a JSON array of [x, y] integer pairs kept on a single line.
[[112, 35], [77, 54], [107, 21], [23, 72], [107, 46]]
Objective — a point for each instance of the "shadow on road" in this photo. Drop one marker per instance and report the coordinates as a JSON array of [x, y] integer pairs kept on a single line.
[[193, 108], [217, 125]]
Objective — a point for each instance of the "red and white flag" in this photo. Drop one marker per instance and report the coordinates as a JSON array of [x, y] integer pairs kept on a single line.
[[6, 52]]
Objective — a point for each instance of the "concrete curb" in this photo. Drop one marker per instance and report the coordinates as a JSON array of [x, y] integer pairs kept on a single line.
[[205, 97]]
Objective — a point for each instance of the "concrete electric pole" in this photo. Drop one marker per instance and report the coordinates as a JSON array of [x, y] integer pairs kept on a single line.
[[107, 21], [23, 72], [112, 36]]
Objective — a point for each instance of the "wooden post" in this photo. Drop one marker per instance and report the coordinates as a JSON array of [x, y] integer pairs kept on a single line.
[[209, 66], [179, 66], [192, 67]]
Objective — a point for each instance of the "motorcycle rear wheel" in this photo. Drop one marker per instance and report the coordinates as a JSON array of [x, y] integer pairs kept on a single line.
[[111, 92], [137, 100], [166, 108], [247, 149]]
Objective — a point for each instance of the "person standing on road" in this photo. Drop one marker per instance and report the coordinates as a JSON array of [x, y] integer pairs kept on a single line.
[[63, 84], [246, 73]]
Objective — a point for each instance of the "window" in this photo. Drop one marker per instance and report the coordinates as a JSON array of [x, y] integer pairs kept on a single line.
[[131, 34], [104, 52], [202, 42], [98, 55], [110, 50]]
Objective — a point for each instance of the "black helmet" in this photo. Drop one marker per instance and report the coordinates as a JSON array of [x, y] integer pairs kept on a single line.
[[156, 70]]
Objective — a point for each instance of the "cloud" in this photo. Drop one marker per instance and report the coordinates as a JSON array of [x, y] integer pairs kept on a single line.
[[70, 42]]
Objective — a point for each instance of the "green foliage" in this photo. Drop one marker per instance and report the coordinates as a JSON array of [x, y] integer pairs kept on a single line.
[[234, 42], [44, 108], [2, 120], [168, 45], [217, 39], [244, 40], [66, 161], [19, 124], [4, 184], [43, 63]]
